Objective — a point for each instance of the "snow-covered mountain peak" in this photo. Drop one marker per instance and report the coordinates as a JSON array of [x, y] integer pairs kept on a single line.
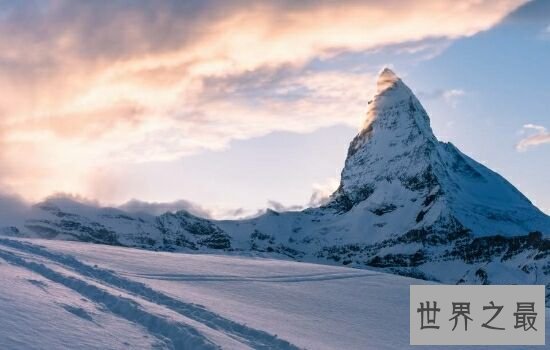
[[396, 161], [395, 145], [395, 102]]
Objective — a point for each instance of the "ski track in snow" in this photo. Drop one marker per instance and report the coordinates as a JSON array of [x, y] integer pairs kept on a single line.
[[274, 279], [181, 336]]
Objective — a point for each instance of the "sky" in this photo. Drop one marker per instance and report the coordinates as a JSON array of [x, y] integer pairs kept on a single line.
[[228, 107]]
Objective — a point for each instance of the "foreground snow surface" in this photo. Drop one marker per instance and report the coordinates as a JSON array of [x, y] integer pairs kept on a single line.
[[69, 295]]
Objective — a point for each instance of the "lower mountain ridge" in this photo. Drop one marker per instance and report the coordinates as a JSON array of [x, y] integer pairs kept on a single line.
[[407, 204]]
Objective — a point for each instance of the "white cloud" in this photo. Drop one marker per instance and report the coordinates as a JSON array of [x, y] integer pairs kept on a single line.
[[157, 208], [320, 194], [451, 96], [536, 135], [280, 207], [322, 191]]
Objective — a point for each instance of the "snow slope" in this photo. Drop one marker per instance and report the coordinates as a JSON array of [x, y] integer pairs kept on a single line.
[[67, 295]]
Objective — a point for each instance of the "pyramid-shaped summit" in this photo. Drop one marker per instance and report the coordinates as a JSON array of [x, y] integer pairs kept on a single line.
[[396, 162], [407, 203]]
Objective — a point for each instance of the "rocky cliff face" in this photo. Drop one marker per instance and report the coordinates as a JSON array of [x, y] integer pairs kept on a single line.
[[407, 203]]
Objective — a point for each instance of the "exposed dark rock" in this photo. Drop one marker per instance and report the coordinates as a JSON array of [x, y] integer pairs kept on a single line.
[[384, 209]]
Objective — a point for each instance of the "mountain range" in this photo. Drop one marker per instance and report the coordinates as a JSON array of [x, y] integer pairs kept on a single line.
[[406, 204]]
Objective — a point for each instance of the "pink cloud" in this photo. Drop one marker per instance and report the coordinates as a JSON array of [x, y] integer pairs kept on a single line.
[[86, 84], [539, 135]]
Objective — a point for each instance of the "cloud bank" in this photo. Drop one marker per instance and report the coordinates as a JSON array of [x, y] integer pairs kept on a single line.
[[319, 196], [86, 84]]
